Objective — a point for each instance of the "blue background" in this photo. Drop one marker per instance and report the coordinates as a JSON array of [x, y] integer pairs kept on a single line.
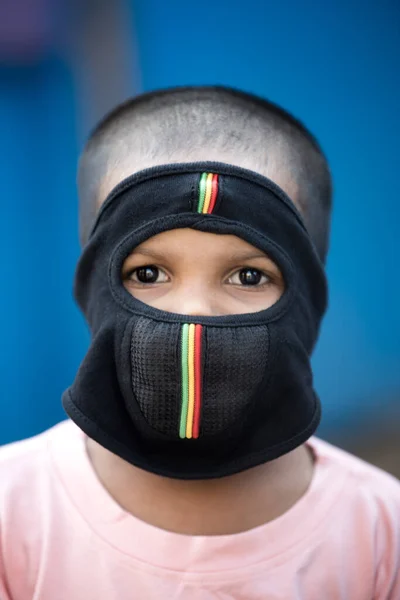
[[335, 66]]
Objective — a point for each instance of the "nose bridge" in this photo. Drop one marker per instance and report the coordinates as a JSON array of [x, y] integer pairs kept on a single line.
[[195, 298]]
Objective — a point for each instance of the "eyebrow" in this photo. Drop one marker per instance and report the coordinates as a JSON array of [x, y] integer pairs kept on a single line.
[[248, 255], [151, 253], [236, 256]]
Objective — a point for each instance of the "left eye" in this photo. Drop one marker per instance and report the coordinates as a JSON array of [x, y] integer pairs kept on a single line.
[[249, 277]]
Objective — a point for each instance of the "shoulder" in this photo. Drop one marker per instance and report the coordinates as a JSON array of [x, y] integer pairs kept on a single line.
[[25, 456], [370, 499], [25, 470], [27, 487], [21, 452], [366, 486], [363, 478], [28, 497]]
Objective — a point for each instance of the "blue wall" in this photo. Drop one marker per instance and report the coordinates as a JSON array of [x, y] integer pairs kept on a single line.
[[43, 335], [334, 65]]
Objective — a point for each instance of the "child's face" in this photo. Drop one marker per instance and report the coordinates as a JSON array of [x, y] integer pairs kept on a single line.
[[196, 273]]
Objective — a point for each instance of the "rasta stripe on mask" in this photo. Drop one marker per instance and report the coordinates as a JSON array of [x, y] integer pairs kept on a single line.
[[208, 192], [191, 339], [191, 335]]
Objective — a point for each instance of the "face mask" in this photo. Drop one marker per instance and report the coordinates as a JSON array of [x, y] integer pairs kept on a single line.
[[197, 397]]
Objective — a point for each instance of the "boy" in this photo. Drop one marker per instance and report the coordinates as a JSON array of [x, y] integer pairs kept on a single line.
[[188, 468]]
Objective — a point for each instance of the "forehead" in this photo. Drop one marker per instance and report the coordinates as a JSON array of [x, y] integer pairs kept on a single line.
[[279, 173], [196, 241]]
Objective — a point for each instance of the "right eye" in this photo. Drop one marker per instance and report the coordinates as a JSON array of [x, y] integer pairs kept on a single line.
[[148, 274]]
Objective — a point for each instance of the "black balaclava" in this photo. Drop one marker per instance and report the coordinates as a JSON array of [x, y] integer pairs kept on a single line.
[[194, 397]]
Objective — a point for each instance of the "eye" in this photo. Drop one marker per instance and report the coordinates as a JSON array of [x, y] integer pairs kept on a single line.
[[249, 277], [148, 274]]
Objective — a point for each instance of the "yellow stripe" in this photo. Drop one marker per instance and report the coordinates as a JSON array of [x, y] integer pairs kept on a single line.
[[189, 421], [208, 193]]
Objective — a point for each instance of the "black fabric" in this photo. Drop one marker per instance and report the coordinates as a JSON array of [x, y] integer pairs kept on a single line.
[[234, 364], [258, 397], [156, 380]]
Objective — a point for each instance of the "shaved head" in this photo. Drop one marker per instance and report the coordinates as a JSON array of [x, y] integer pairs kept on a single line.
[[207, 124]]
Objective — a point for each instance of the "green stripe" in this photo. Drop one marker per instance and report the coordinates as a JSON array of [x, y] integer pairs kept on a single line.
[[185, 379], [202, 192]]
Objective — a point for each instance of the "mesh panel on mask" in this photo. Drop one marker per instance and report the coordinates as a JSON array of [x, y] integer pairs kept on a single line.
[[235, 361], [155, 373]]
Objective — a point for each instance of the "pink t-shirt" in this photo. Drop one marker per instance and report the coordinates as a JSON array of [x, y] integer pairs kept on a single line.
[[62, 537]]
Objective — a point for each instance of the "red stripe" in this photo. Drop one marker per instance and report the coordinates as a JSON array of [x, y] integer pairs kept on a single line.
[[214, 194], [197, 381]]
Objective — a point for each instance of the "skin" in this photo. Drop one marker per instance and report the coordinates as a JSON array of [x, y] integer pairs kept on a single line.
[[197, 273], [201, 273]]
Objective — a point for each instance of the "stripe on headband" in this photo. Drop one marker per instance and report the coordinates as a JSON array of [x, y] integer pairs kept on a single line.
[[191, 341], [208, 192]]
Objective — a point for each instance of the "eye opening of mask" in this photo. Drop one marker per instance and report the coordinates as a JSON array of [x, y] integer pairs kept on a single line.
[[212, 225]]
